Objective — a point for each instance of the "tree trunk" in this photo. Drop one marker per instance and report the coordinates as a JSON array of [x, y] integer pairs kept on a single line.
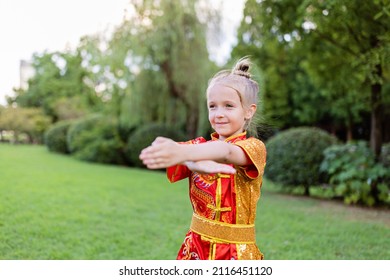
[[307, 191], [349, 135], [179, 92], [376, 116], [376, 126], [192, 121]]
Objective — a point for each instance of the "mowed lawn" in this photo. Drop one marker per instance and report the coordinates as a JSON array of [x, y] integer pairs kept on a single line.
[[56, 207]]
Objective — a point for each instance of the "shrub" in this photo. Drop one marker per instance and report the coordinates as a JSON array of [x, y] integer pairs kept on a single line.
[[385, 155], [55, 137], [385, 160], [144, 136], [355, 175], [96, 138], [294, 156]]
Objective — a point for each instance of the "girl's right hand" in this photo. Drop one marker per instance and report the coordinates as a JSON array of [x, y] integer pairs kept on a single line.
[[209, 166]]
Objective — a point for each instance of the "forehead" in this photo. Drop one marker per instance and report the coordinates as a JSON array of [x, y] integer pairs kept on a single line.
[[220, 92]]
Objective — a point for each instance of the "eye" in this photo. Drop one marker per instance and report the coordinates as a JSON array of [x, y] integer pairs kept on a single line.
[[211, 106], [229, 105]]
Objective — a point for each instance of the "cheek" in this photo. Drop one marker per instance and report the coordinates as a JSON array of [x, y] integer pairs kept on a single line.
[[211, 117]]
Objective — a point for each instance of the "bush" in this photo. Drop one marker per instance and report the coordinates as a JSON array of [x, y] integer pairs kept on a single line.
[[55, 137], [385, 160], [355, 175], [96, 138], [294, 156], [385, 155], [144, 136]]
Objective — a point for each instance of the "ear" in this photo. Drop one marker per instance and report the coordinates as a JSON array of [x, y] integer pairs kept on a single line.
[[250, 111]]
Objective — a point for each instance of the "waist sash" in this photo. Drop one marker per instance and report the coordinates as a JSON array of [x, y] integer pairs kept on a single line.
[[223, 232]]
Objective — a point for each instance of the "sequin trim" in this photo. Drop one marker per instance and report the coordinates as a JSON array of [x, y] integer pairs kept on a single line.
[[222, 232]]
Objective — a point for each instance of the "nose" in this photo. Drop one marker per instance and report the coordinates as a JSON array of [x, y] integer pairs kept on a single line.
[[219, 113]]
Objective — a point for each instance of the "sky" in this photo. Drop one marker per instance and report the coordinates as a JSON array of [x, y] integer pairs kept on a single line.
[[33, 26]]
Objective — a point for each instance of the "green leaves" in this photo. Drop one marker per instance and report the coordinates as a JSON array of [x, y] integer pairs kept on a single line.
[[326, 55], [355, 175]]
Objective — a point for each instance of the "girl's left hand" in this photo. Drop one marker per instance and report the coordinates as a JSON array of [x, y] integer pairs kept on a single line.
[[162, 153]]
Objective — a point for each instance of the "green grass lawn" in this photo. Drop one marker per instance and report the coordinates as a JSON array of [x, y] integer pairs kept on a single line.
[[56, 207]]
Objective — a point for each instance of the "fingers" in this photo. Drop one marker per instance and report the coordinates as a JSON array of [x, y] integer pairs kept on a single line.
[[154, 162], [227, 169], [209, 167], [153, 165], [146, 153], [150, 152], [160, 140], [149, 158], [153, 158], [161, 153], [156, 146]]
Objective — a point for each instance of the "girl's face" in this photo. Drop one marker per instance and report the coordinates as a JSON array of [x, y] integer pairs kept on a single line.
[[227, 115]]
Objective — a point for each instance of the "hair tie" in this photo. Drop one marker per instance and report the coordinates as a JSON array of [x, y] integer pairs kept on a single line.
[[243, 73]]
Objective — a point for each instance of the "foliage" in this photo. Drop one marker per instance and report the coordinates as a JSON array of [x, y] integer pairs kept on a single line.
[[31, 121], [385, 155], [355, 175], [166, 45], [55, 137], [294, 156], [58, 76], [68, 108], [144, 136], [110, 72], [154, 67], [324, 62], [96, 138]]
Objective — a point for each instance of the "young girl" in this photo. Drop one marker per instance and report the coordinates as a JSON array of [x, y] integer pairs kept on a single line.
[[225, 174]]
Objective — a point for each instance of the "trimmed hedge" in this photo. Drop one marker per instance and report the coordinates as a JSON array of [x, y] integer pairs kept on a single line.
[[294, 156], [144, 136], [96, 138], [55, 137]]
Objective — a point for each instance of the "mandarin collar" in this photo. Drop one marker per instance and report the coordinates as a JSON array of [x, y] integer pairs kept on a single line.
[[231, 139]]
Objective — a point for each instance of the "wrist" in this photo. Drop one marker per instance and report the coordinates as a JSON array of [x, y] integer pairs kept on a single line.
[[189, 164], [180, 152]]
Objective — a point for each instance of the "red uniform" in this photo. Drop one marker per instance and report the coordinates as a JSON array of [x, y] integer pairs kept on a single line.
[[224, 206]]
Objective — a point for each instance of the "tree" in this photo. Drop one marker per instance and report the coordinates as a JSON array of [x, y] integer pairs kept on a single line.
[[361, 31], [340, 50], [58, 76], [109, 74], [287, 92], [30, 121], [166, 40]]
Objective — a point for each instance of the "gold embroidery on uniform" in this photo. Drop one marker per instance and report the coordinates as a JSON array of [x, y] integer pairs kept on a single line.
[[214, 250], [248, 188], [218, 197], [221, 232], [201, 201]]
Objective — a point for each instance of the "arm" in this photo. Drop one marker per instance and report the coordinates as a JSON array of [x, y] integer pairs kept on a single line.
[[165, 152]]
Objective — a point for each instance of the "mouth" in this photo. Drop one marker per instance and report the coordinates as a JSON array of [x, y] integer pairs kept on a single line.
[[221, 123]]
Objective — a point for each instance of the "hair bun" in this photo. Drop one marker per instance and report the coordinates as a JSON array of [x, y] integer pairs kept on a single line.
[[242, 68]]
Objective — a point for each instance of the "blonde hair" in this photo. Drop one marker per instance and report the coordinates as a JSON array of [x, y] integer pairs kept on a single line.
[[240, 79]]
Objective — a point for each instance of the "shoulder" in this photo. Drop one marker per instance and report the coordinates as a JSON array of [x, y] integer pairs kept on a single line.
[[252, 144], [256, 152]]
